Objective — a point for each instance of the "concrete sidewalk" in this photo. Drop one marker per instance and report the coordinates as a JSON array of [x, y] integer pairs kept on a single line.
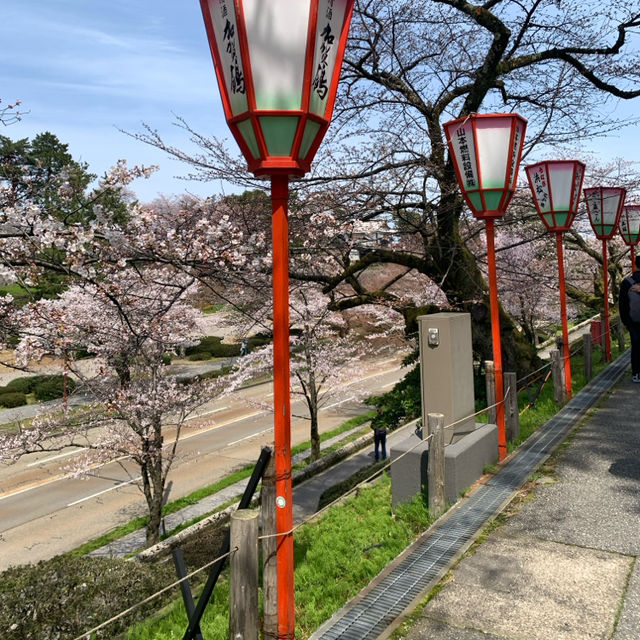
[[564, 565]]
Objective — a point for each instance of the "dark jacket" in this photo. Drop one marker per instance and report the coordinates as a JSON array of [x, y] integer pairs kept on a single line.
[[623, 299]]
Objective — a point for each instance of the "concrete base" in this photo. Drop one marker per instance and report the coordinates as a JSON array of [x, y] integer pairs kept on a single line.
[[465, 459]]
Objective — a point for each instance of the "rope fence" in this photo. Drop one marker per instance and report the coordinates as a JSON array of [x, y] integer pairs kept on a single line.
[[87, 634]]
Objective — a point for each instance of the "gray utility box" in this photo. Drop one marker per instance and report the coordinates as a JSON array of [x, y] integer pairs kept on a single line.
[[446, 371], [464, 462], [446, 374]]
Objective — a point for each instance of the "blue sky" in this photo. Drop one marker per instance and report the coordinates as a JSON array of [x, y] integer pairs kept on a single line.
[[83, 69]]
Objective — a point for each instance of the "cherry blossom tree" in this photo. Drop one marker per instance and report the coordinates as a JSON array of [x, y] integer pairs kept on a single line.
[[329, 350], [129, 323], [129, 307]]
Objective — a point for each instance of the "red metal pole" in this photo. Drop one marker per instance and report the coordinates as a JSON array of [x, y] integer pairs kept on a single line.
[[605, 281], [563, 315], [633, 258], [495, 336], [281, 405]]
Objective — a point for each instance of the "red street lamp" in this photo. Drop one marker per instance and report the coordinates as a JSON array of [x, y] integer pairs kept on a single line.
[[278, 63], [556, 185], [486, 151], [630, 229], [604, 205]]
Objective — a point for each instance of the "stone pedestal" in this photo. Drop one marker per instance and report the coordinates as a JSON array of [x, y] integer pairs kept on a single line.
[[465, 460]]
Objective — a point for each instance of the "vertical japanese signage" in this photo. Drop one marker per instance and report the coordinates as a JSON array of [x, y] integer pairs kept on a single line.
[[331, 17], [225, 31]]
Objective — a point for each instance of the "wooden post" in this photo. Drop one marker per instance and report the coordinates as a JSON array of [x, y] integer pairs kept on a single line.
[[243, 576], [435, 470], [490, 379], [587, 348], [269, 564], [557, 375], [511, 409]]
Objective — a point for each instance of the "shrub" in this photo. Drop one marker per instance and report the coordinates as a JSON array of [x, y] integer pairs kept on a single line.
[[11, 399], [52, 387], [26, 384], [207, 344], [62, 597], [214, 348], [199, 355]]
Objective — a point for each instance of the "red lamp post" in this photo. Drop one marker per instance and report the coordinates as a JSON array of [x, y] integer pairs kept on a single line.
[[278, 63], [486, 151], [556, 185], [630, 229], [604, 205]]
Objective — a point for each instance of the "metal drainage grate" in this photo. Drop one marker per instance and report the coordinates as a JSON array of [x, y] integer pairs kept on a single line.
[[377, 610]]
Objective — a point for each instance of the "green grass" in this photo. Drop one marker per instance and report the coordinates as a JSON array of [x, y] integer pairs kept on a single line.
[[335, 557], [545, 406]]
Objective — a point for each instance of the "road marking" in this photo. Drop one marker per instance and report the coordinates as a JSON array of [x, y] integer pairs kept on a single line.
[[95, 495], [335, 404], [252, 435], [206, 413], [60, 455], [218, 425]]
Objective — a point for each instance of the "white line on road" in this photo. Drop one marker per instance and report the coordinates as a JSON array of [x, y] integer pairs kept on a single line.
[[60, 455], [335, 404], [95, 495], [206, 413], [252, 435]]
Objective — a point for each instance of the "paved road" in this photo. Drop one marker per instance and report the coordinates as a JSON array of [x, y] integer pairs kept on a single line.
[[43, 512]]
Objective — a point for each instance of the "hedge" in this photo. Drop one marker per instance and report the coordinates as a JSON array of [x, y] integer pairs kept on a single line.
[[213, 346], [52, 388], [12, 399]]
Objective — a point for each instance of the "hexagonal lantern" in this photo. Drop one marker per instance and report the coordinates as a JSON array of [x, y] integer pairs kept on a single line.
[[278, 64], [604, 206], [556, 185], [629, 224], [486, 150]]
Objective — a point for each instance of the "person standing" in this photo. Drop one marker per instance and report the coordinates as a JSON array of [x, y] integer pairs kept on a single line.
[[629, 306], [380, 442]]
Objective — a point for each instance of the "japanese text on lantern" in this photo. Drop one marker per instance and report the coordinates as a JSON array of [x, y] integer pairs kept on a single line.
[[594, 207], [514, 153], [466, 166], [327, 39], [230, 38], [540, 185]]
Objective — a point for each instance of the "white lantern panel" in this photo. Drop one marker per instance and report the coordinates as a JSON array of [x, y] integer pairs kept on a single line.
[[538, 177], [577, 186], [331, 15], [223, 17], [633, 219], [610, 205], [465, 154], [277, 36], [561, 179], [493, 136], [518, 140], [592, 196]]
